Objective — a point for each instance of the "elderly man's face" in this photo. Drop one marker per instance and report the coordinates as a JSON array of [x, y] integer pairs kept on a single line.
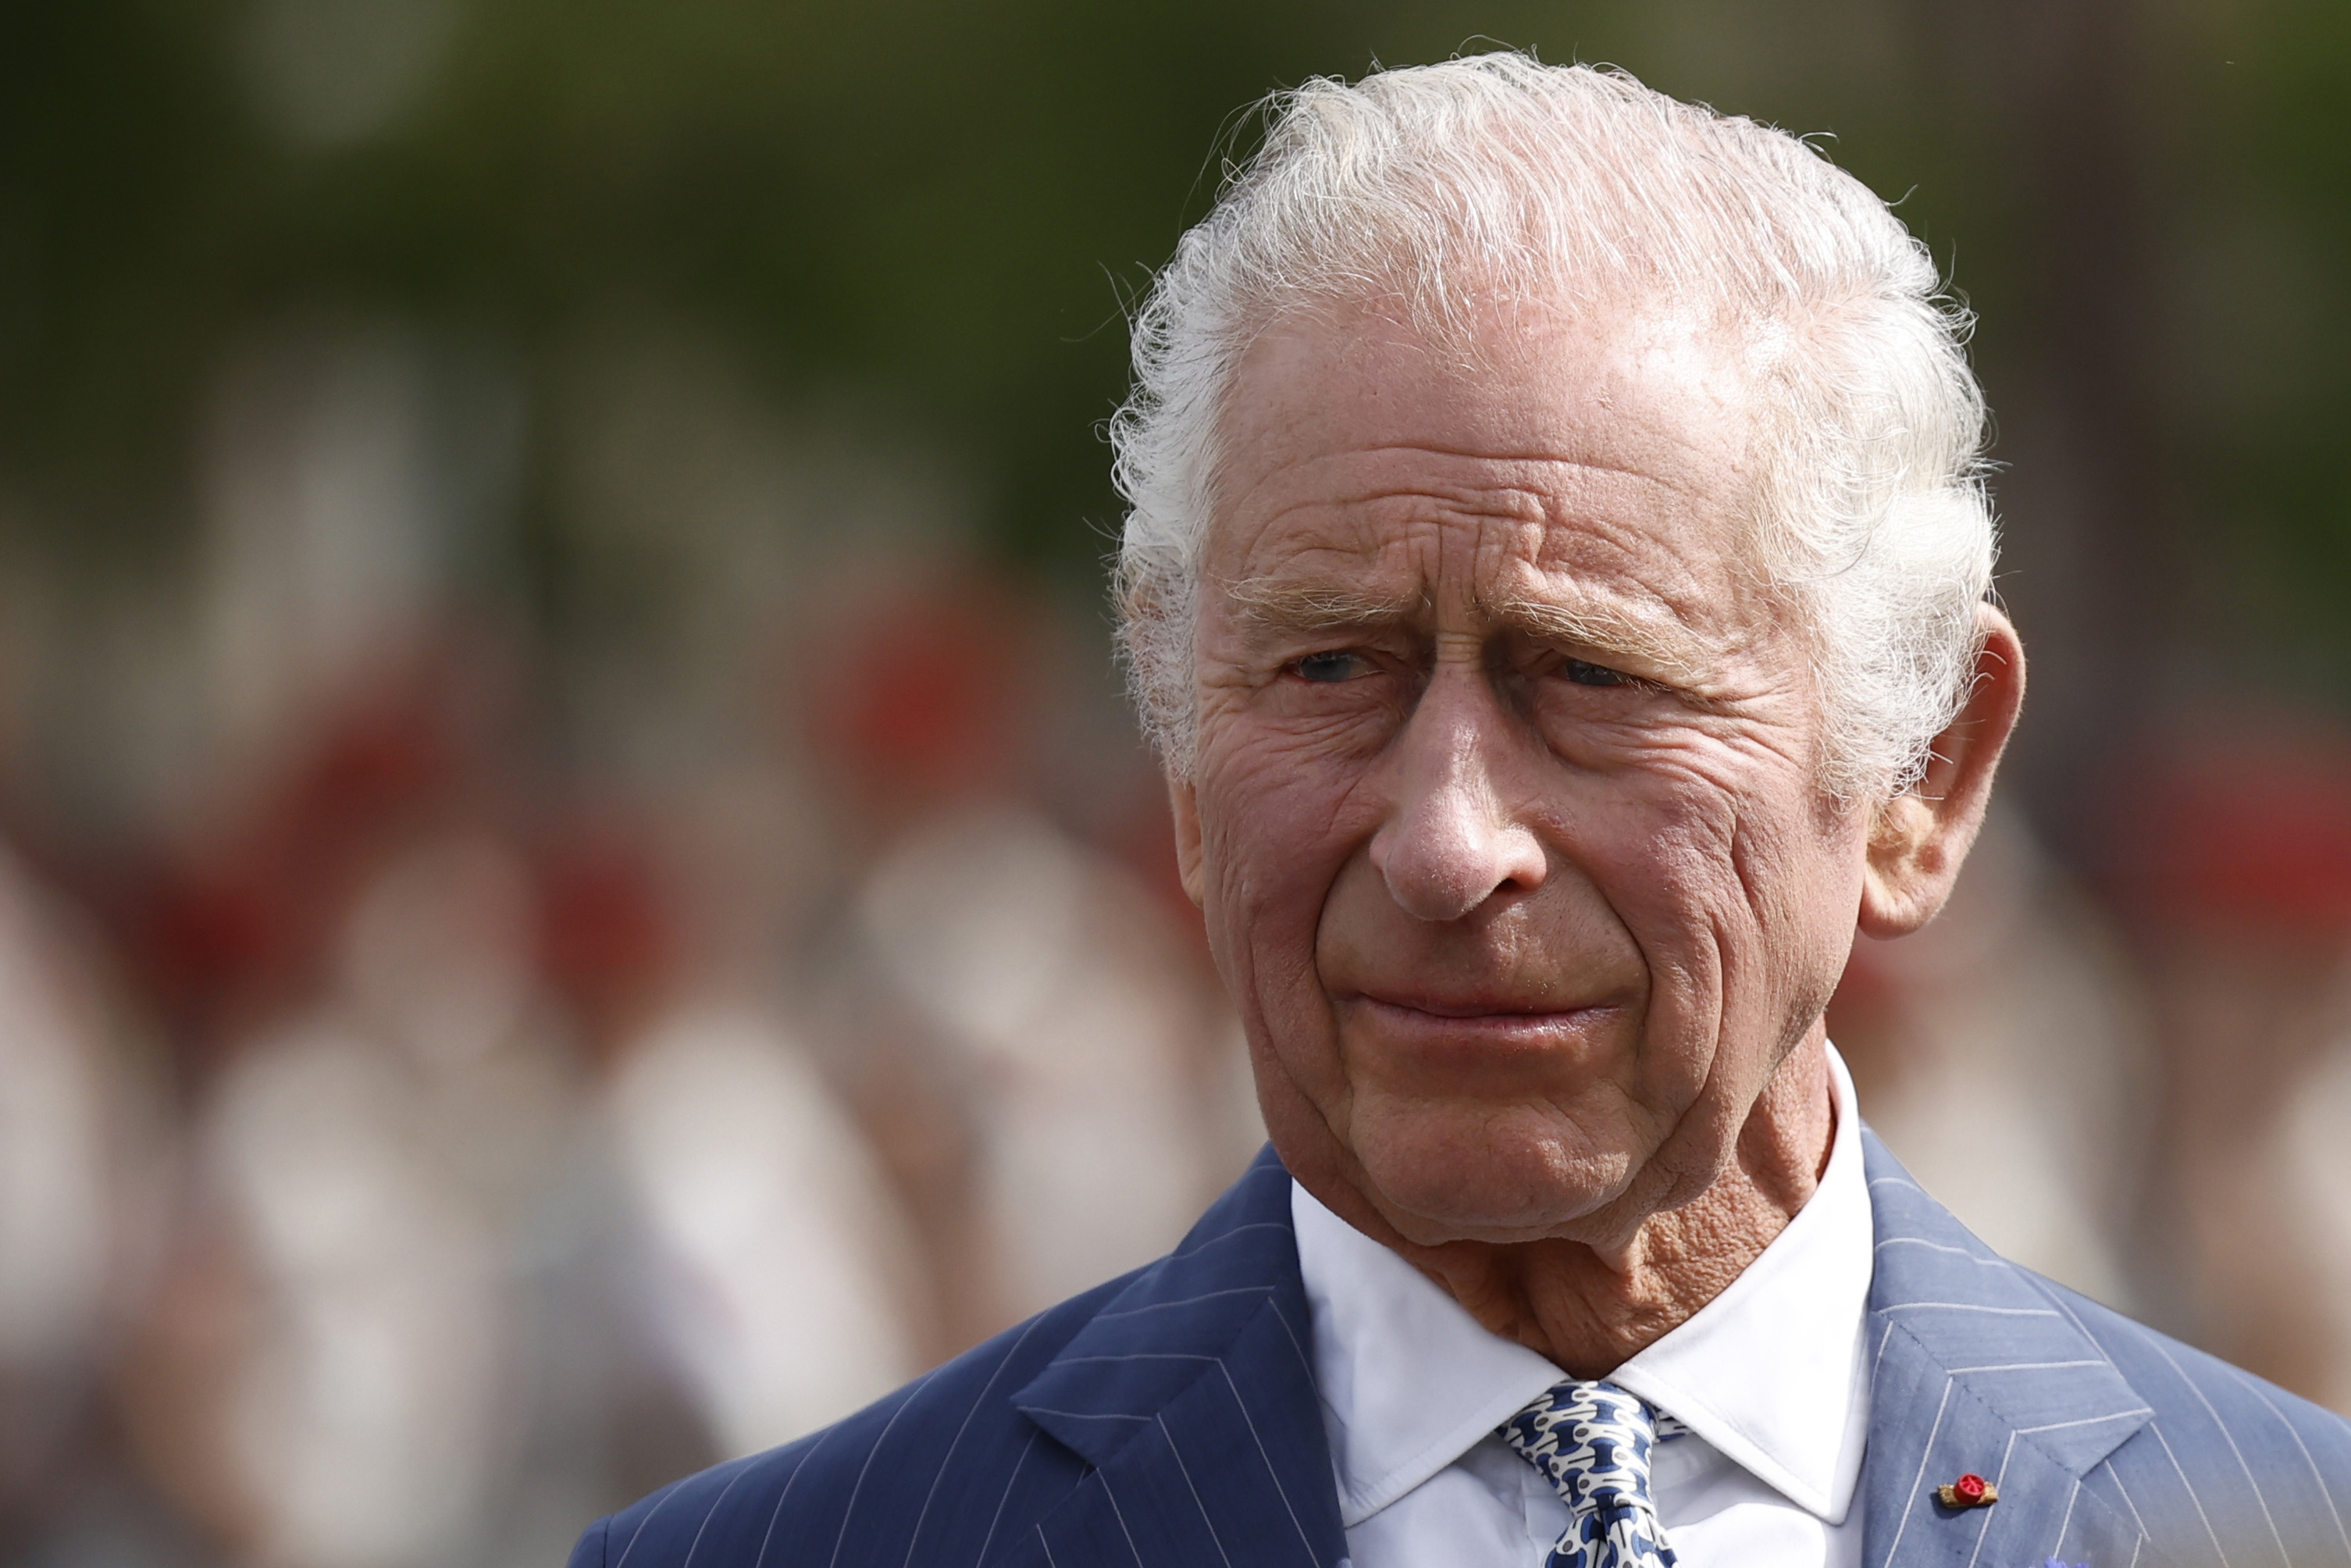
[[1505, 814]]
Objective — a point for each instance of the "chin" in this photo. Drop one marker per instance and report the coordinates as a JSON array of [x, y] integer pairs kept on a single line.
[[1483, 1173]]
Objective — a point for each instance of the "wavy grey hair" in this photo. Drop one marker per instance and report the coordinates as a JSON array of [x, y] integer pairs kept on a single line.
[[1443, 188]]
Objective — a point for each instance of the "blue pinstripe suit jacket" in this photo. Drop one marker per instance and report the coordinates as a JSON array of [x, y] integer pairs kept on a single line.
[[1169, 1418]]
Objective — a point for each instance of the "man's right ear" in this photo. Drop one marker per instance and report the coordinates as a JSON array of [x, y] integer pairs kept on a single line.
[[1184, 805]]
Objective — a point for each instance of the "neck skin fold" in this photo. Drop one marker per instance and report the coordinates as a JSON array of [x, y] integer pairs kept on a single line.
[[1586, 1309]]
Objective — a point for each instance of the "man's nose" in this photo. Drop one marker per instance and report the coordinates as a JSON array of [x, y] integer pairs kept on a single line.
[[1450, 843]]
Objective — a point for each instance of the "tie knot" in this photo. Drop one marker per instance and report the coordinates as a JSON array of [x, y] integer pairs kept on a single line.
[[1591, 1440]]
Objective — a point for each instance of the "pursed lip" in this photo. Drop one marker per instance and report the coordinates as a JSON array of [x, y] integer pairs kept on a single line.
[[1450, 1045], [1473, 1007], [1498, 1020]]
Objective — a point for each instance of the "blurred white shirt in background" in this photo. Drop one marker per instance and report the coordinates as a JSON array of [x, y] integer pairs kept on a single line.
[[1054, 977], [784, 1262]]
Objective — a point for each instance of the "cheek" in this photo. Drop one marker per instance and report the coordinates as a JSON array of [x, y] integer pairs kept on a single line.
[[1663, 828], [1278, 821], [1739, 893]]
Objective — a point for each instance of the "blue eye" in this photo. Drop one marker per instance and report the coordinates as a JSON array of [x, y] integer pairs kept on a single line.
[[1584, 674], [1325, 668]]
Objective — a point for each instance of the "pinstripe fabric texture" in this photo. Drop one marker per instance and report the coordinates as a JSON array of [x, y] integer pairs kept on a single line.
[[1166, 1418], [2110, 1444], [1169, 1418]]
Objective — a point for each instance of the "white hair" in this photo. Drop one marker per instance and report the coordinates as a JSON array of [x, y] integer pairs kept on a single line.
[[1444, 187]]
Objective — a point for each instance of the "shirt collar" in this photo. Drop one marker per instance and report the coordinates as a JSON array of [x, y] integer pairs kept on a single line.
[[1770, 1372]]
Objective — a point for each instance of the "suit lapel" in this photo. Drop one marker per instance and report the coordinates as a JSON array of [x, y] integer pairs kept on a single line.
[[1192, 1396], [1978, 1365]]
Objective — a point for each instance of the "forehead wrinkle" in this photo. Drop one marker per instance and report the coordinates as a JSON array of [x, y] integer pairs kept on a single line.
[[1525, 470], [1513, 486]]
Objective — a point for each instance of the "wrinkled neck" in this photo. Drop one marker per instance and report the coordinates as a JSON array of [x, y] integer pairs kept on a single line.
[[1588, 1308]]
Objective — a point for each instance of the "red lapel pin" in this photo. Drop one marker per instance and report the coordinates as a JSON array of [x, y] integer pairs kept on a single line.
[[1971, 1490]]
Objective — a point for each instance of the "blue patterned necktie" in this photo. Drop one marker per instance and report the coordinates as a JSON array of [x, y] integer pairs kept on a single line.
[[1592, 1441]]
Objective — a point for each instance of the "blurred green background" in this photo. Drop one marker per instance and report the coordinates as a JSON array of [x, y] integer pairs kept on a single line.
[[926, 219]]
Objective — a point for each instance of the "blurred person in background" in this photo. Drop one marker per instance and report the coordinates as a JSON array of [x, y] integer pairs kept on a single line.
[[753, 1246], [757, 1261], [1558, 574], [2231, 856], [334, 1368], [510, 1191], [2295, 1317], [1012, 1005], [529, 1199], [86, 1148]]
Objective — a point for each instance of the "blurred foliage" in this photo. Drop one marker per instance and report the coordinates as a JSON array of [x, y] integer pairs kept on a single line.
[[2265, 299], [939, 210]]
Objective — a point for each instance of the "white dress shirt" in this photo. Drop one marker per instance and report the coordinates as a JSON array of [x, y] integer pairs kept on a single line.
[[1769, 1375]]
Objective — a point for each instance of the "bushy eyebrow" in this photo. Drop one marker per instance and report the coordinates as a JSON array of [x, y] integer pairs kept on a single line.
[[1270, 609], [1658, 651]]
